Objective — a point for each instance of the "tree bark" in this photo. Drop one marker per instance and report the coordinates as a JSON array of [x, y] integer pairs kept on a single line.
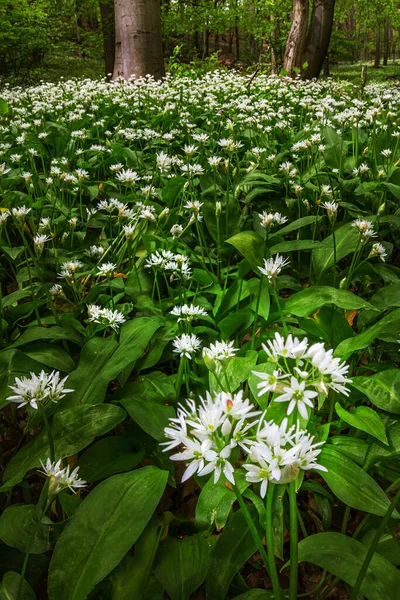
[[386, 43], [318, 37], [138, 43], [108, 30], [377, 60], [297, 36]]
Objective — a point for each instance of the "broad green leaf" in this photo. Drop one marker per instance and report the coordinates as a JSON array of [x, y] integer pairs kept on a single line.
[[103, 529], [387, 329], [265, 300], [214, 505], [296, 245], [108, 457], [33, 334], [387, 297], [181, 565], [72, 430], [378, 452], [311, 299], [295, 225], [354, 448], [10, 585], [151, 416], [132, 578], [102, 359], [382, 389], [343, 557], [51, 356], [251, 246], [351, 484], [238, 369], [347, 239], [172, 189], [256, 594], [236, 320], [234, 547], [365, 419], [21, 527]]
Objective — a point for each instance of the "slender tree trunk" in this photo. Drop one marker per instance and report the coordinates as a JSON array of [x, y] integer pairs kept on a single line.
[[297, 36], [377, 61], [386, 43], [318, 37], [138, 43], [108, 30], [206, 45]]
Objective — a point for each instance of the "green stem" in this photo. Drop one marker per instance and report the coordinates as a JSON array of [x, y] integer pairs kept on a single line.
[[49, 435], [294, 542], [253, 333], [179, 378], [269, 535], [373, 546], [251, 526], [285, 329]]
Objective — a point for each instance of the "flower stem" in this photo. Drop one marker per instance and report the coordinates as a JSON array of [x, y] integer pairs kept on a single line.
[[372, 548], [179, 378], [269, 535], [49, 435], [251, 525], [285, 329], [294, 541]]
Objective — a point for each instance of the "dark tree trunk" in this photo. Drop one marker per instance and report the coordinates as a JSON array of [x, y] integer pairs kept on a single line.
[[318, 37], [206, 45], [297, 36], [386, 43], [138, 43], [108, 30], [377, 60]]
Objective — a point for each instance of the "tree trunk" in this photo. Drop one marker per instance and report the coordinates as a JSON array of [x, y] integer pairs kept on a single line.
[[297, 36], [386, 43], [138, 43], [377, 61], [318, 37], [108, 31]]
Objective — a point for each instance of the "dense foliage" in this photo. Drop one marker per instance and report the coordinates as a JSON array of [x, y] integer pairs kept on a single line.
[[207, 272]]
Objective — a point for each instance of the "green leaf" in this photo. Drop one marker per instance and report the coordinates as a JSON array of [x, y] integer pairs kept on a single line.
[[72, 430], [365, 419], [382, 389], [151, 416], [10, 585], [51, 356], [256, 594], [214, 505], [352, 485], [387, 329], [296, 245], [295, 225], [108, 457], [347, 239], [103, 529], [311, 299], [343, 557], [251, 246], [102, 359], [378, 452], [172, 189], [4, 107], [181, 565], [33, 334], [21, 528], [354, 448], [234, 547], [239, 368]]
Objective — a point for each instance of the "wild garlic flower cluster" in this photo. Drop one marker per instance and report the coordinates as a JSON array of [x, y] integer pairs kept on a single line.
[[207, 435], [273, 266], [178, 265], [188, 312], [267, 220], [365, 229], [60, 478], [301, 372], [38, 389], [105, 316]]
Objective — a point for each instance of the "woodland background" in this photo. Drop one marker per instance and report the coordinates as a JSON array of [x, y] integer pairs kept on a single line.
[[50, 39]]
